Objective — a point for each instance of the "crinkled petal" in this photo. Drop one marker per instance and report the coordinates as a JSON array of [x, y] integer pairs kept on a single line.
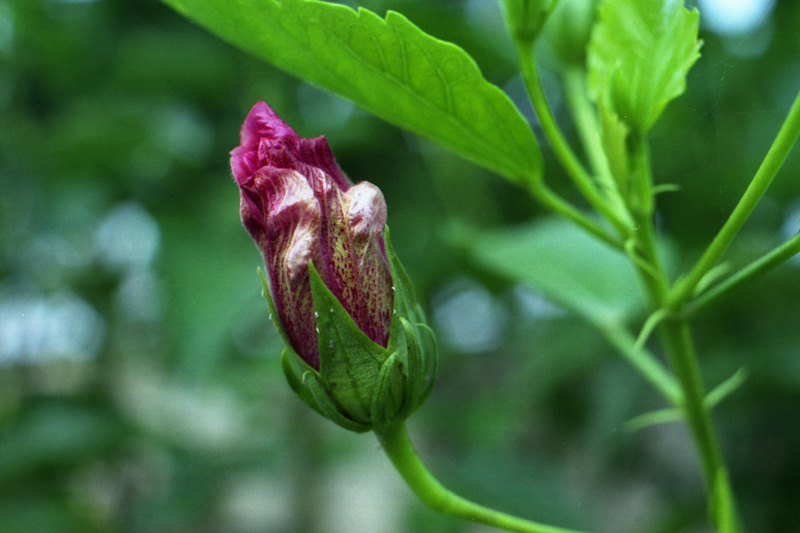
[[263, 123], [288, 239], [266, 140], [356, 269]]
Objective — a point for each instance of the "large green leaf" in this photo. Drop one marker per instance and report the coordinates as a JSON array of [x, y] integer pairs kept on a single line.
[[639, 55], [568, 265], [387, 66]]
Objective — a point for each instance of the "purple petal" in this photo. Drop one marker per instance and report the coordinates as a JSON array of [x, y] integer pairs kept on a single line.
[[266, 140], [356, 269], [292, 226]]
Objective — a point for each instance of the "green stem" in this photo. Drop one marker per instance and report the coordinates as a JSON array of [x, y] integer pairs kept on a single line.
[[643, 361], [401, 452], [769, 168], [676, 337], [561, 148], [555, 203], [755, 269]]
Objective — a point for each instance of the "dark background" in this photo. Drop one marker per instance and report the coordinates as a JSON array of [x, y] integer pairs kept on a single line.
[[140, 388]]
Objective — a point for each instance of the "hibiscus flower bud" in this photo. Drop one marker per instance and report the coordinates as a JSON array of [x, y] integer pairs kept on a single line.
[[357, 347]]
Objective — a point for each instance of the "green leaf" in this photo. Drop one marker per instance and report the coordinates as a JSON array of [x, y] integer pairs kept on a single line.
[[387, 66], [638, 57], [569, 266], [568, 30]]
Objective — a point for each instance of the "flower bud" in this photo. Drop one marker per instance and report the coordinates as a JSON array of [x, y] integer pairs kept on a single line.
[[358, 350], [525, 18]]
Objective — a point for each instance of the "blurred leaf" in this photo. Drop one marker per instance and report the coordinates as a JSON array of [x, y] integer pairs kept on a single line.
[[54, 434], [387, 66], [639, 55], [569, 28], [570, 266]]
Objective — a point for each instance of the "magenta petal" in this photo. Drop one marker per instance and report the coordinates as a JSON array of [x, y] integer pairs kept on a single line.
[[356, 269], [292, 229], [263, 123], [266, 140]]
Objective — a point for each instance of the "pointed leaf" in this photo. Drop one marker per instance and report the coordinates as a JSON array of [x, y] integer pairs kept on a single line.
[[571, 267], [639, 55], [387, 66]]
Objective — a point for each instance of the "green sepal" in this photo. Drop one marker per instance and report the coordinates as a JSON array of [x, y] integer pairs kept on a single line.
[[349, 361], [415, 370], [431, 360], [296, 381], [414, 326], [416, 376], [328, 407], [389, 393], [405, 298]]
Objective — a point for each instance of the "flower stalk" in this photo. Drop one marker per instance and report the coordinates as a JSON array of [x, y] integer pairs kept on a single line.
[[404, 457], [787, 135]]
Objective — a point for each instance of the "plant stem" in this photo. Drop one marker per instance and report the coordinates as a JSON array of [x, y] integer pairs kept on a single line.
[[758, 186], [643, 361], [676, 337], [401, 452], [555, 203], [755, 269], [561, 148]]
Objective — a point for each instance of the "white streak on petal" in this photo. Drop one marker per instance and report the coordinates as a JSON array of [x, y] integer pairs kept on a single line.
[[366, 208]]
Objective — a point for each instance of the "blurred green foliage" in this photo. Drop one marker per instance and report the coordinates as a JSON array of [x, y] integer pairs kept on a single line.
[[140, 387]]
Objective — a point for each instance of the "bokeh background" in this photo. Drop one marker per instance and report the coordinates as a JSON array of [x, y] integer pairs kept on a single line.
[[140, 386]]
